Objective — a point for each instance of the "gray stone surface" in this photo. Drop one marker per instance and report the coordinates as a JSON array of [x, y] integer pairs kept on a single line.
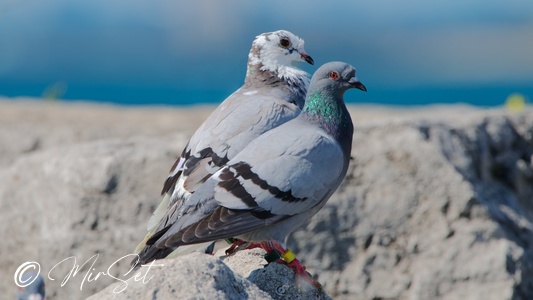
[[430, 209], [437, 204], [78, 201], [201, 276], [276, 279], [195, 276]]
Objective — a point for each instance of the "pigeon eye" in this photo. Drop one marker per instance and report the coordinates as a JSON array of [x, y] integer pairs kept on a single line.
[[334, 75], [285, 43]]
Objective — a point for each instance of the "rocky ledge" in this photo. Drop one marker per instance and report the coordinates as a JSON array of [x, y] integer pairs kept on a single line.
[[437, 204]]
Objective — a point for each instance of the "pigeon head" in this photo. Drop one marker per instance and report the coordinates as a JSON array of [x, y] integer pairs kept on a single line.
[[336, 77], [325, 102], [276, 51]]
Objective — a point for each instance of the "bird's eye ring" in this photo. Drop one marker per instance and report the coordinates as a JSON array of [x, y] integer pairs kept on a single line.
[[285, 43], [334, 75]]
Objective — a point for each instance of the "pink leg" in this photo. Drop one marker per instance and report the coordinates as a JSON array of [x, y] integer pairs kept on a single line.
[[236, 244], [281, 255], [301, 273], [263, 245]]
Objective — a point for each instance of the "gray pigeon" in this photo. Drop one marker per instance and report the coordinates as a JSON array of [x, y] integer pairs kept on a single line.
[[277, 182], [273, 93], [34, 290]]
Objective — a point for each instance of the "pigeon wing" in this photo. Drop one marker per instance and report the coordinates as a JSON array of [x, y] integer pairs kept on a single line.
[[238, 120], [261, 186]]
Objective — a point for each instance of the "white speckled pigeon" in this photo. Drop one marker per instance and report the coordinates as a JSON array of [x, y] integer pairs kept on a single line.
[[276, 183], [273, 93]]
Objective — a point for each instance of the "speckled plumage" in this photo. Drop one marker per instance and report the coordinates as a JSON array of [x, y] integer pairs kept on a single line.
[[274, 184], [272, 94]]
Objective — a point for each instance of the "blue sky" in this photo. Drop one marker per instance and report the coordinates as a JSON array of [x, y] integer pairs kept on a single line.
[[164, 51]]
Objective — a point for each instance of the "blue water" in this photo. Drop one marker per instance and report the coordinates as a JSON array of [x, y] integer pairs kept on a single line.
[[190, 52], [485, 96], [165, 95]]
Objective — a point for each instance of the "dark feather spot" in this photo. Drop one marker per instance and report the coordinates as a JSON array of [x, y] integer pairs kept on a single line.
[[157, 235], [264, 214], [219, 161], [193, 161], [171, 180], [231, 184], [245, 171]]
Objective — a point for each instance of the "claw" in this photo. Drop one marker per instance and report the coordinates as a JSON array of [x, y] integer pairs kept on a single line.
[[276, 252], [235, 246], [302, 274]]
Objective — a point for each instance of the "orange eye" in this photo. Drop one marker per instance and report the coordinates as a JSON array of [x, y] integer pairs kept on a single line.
[[285, 43], [333, 75]]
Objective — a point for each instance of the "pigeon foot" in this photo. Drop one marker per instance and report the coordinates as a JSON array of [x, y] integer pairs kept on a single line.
[[276, 252]]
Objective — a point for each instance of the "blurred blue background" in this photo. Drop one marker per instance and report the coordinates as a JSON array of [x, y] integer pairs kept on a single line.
[[186, 52]]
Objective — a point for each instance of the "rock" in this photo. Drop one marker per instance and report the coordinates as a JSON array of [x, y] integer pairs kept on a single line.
[[201, 276], [31, 125], [429, 210], [79, 201], [437, 204], [276, 279]]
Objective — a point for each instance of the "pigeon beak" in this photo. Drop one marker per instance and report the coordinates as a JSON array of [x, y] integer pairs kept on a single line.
[[354, 82], [307, 58]]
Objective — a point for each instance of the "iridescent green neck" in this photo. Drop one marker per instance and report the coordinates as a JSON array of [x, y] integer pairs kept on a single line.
[[328, 111], [325, 106]]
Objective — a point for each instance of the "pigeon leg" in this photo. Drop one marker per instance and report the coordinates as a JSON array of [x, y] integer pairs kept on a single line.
[[276, 252], [301, 273], [236, 243]]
